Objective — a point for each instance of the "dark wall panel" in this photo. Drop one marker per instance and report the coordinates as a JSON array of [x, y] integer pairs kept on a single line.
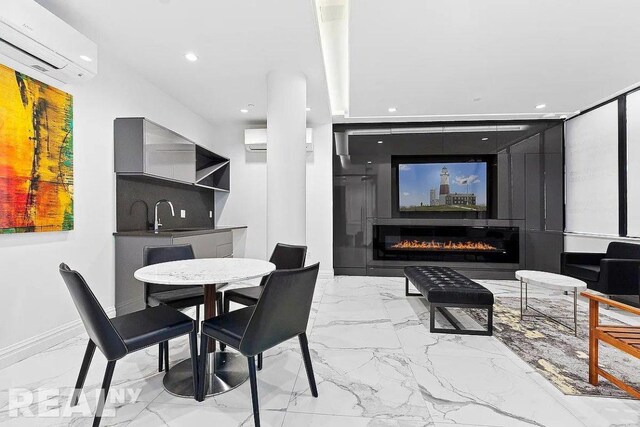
[[197, 202], [527, 181]]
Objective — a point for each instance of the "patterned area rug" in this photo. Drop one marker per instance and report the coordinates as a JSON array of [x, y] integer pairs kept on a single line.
[[554, 351]]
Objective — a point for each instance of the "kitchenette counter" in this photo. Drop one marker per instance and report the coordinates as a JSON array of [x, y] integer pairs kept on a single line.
[[179, 232]]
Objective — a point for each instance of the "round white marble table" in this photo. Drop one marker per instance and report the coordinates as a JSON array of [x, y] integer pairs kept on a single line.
[[551, 281], [226, 370]]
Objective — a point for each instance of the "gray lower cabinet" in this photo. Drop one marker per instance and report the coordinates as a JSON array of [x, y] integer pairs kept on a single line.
[[129, 291]]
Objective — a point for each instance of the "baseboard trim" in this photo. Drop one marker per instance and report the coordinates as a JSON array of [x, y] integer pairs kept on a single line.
[[326, 274], [41, 342]]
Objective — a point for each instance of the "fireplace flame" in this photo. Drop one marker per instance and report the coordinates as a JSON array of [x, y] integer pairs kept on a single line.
[[450, 246]]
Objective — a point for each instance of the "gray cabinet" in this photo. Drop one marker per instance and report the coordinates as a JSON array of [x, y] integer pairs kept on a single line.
[[129, 291], [144, 147]]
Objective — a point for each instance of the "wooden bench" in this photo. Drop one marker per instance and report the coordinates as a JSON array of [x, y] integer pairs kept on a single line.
[[624, 338], [445, 288]]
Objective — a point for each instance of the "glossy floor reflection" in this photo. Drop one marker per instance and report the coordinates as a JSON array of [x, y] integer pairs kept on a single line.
[[376, 365]]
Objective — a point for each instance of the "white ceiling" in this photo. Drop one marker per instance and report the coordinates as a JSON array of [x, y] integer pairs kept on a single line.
[[433, 57], [237, 41]]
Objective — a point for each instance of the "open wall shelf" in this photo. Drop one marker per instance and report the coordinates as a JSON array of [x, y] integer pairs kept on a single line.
[[212, 170]]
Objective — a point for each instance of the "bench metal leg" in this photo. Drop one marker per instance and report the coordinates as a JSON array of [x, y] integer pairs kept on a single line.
[[457, 330], [406, 290]]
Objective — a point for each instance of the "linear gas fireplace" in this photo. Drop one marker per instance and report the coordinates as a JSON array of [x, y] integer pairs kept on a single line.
[[446, 243]]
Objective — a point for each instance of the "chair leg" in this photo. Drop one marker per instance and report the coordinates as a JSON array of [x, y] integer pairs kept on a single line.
[[166, 356], [260, 362], [197, 317], [219, 303], [193, 346], [86, 362], [224, 307], [304, 344], [202, 375], [106, 383], [160, 356], [254, 390]]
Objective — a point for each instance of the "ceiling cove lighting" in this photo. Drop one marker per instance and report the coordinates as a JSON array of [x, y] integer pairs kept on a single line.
[[190, 56], [392, 109], [86, 58], [540, 106]]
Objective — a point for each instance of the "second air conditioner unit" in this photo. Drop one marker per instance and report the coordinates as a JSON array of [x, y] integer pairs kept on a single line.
[[255, 140]]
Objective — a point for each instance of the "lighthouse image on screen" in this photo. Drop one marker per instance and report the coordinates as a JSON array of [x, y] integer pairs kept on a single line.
[[429, 187]]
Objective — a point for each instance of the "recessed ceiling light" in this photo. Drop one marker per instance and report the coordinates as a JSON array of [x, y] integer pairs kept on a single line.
[[392, 109], [564, 116], [380, 142], [540, 106], [191, 56], [485, 139], [85, 58], [308, 108], [577, 112], [369, 162], [244, 111]]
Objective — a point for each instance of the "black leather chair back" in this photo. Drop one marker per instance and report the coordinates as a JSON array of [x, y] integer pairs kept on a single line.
[[282, 311], [156, 255], [95, 320], [621, 250], [287, 257]]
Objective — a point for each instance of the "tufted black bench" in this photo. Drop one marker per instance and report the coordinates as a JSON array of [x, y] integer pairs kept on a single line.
[[445, 288]]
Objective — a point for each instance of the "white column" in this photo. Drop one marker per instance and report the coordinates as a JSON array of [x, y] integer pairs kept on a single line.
[[286, 158]]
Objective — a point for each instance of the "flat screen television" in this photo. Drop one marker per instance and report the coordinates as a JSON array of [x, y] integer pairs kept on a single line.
[[439, 186]]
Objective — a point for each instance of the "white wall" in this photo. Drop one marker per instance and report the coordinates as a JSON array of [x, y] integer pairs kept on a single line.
[[246, 203], [35, 299]]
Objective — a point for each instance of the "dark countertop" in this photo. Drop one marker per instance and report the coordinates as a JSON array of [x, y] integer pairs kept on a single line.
[[179, 232]]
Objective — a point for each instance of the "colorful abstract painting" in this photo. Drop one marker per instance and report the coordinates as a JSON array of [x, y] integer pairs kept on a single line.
[[36, 155]]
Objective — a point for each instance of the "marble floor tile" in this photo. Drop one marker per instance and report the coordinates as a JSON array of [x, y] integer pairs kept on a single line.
[[293, 419], [168, 415], [368, 383], [486, 391]]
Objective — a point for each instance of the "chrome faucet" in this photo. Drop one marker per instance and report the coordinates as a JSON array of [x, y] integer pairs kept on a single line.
[[156, 220]]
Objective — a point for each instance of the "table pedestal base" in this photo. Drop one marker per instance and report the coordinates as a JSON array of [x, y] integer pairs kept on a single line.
[[225, 371]]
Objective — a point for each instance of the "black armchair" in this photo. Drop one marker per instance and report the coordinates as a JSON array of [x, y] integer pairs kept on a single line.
[[282, 313], [178, 297], [615, 272], [122, 335]]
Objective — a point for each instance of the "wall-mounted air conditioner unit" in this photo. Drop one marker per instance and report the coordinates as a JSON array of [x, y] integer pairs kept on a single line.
[[35, 37], [255, 140]]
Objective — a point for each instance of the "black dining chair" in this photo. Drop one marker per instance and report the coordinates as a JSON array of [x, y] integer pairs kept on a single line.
[[284, 257], [282, 312], [122, 335], [177, 297]]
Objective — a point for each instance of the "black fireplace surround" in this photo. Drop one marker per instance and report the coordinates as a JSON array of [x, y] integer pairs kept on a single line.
[[446, 243]]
